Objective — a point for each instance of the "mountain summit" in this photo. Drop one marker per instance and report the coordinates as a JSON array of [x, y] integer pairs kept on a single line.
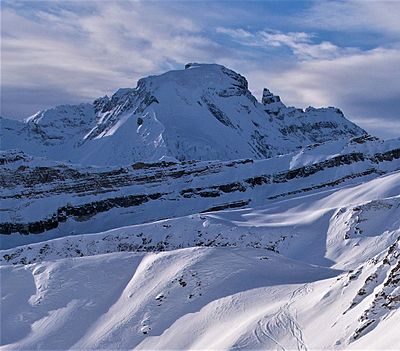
[[204, 112]]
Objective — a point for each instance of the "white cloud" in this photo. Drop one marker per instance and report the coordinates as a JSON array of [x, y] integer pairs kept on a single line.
[[377, 16], [300, 43], [238, 33]]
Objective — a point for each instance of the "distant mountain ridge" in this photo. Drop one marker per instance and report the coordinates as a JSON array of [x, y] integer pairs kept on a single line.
[[204, 112], [50, 199]]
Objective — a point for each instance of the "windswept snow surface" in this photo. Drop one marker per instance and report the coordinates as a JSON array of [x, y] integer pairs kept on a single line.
[[310, 272]]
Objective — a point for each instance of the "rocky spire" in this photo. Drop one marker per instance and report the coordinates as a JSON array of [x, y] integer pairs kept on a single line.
[[271, 102], [269, 98]]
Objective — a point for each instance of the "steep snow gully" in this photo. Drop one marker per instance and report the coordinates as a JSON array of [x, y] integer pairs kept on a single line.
[[184, 214]]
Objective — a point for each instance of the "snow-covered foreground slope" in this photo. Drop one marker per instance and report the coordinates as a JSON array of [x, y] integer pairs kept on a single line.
[[204, 112], [313, 271]]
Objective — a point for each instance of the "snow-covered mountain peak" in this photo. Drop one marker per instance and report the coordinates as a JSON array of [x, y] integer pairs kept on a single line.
[[203, 112], [197, 79], [62, 114]]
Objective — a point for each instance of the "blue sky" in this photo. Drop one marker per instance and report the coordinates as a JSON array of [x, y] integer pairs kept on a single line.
[[320, 53]]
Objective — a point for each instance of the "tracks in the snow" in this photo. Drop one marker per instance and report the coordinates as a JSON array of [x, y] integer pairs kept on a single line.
[[283, 325]]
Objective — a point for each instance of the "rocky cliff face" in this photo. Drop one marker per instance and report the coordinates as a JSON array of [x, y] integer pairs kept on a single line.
[[204, 112], [51, 199], [272, 103]]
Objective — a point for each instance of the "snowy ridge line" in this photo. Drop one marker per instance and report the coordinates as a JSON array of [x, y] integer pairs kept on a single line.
[[346, 224], [30, 177], [329, 184], [88, 209], [34, 171], [65, 176]]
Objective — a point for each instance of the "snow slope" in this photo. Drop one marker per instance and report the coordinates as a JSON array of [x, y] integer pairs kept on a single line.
[[204, 112], [310, 272]]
